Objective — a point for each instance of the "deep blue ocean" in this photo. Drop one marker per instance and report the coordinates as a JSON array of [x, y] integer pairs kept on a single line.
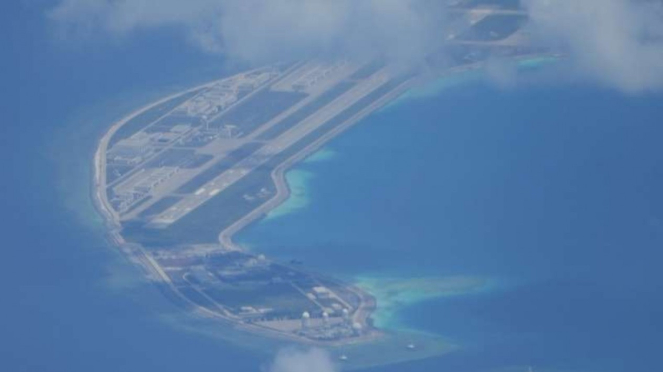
[[548, 195]]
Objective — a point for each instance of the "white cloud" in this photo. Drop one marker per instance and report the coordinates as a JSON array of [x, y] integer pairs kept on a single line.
[[293, 360], [616, 42], [263, 30]]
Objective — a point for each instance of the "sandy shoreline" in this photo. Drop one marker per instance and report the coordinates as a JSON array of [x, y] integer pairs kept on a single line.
[[136, 253], [278, 175]]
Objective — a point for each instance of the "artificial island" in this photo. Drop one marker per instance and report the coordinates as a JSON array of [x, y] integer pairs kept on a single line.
[[175, 180]]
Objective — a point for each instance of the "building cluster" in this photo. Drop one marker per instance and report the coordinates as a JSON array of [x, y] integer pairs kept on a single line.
[[140, 146], [327, 328], [133, 151], [139, 186], [333, 323], [316, 73], [223, 94]]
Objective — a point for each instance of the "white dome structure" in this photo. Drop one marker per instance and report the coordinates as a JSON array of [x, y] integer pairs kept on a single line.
[[325, 318], [306, 320], [357, 328]]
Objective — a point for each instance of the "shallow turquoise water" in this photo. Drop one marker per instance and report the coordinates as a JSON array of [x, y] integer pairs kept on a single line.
[[525, 224]]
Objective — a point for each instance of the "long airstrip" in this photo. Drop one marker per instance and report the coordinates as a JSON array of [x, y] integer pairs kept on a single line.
[[179, 177]]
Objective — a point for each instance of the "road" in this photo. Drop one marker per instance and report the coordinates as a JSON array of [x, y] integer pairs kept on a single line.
[[264, 154]]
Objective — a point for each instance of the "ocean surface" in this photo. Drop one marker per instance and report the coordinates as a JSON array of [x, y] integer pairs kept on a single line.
[[524, 222]]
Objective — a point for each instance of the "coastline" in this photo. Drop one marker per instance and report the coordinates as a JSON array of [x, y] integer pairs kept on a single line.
[[136, 253], [155, 273], [424, 86], [278, 175]]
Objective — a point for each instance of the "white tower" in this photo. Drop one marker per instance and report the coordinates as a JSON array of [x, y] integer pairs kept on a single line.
[[306, 320], [346, 317], [206, 122], [325, 319], [357, 328]]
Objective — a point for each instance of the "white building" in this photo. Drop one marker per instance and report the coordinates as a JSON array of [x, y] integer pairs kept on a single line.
[[321, 293]]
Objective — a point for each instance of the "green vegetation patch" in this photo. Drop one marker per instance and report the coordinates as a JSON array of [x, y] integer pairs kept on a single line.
[[281, 297]]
